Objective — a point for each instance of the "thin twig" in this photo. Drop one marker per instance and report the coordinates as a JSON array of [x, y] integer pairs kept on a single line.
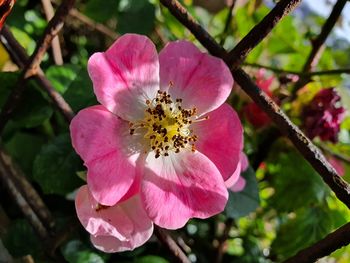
[[6, 177], [19, 56], [93, 24], [228, 225], [324, 247], [297, 73], [310, 152], [167, 240], [33, 65], [227, 22], [56, 47], [335, 154], [259, 32], [318, 44], [31, 196]]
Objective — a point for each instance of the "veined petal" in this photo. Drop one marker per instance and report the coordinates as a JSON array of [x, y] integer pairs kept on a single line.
[[126, 75], [181, 186], [201, 80], [220, 138], [115, 228], [103, 142]]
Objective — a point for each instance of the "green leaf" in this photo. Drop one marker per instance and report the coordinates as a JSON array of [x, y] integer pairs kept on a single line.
[[136, 16], [295, 182], [242, 203], [80, 92], [151, 259], [8, 81], [62, 77], [23, 147], [33, 110], [56, 165], [76, 252], [308, 226], [101, 11], [20, 239]]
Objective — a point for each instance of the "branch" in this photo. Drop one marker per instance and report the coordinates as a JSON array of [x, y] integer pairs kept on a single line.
[[228, 225], [237, 55], [56, 48], [28, 192], [6, 178], [33, 66], [310, 152], [324, 247], [301, 74], [166, 239], [318, 43], [93, 24], [19, 56]]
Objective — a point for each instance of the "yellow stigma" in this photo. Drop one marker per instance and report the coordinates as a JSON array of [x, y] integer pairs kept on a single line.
[[166, 125]]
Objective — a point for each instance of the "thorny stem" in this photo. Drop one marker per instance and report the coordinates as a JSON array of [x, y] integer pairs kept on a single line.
[[19, 56], [33, 65]]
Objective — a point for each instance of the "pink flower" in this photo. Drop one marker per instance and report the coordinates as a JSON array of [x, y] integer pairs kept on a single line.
[[251, 111], [113, 228], [323, 116], [163, 122]]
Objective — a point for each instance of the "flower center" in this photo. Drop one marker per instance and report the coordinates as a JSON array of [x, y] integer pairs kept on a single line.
[[166, 125]]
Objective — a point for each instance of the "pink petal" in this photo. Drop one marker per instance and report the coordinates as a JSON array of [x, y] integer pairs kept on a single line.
[[103, 142], [115, 228], [244, 161], [239, 185], [235, 178], [220, 138], [201, 80], [181, 186], [126, 75], [229, 182]]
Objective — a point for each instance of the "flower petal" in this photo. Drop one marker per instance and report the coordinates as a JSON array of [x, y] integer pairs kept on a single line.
[[115, 228], [103, 142], [201, 80], [181, 186], [220, 138], [126, 75], [239, 185]]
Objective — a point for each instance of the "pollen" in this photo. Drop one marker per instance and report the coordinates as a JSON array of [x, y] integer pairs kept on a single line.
[[166, 125]]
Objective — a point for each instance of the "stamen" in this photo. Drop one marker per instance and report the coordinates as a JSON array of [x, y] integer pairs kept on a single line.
[[166, 125]]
